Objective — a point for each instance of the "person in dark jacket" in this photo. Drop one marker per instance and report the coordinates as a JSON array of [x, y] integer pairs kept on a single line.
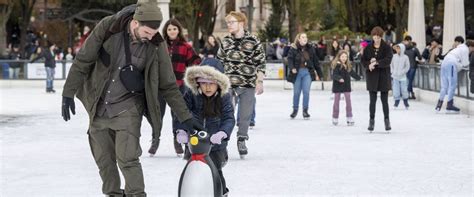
[[50, 66], [210, 103], [15, 67], [341, 84], [377, 58], [414, 56], [303, 64], [210, 48], [106, 85]]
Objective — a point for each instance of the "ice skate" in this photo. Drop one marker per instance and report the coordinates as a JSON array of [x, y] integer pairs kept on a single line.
[[241, 147], [305, 114], [334, 121], [350, 121]]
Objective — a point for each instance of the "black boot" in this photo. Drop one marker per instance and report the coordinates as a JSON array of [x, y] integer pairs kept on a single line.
[[178, 147], [371, 125], [396, 103], [305, 114], [387, 124], [155, 143], [294, 113], [405, 102], [450, 108], [439, 105], [413, 96]]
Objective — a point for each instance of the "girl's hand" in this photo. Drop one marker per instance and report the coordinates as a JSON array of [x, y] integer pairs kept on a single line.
[[341, 80], [293, 70]]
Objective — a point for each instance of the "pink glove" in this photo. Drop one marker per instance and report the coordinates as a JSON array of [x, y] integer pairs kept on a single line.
[[181, 136], [218, 137]]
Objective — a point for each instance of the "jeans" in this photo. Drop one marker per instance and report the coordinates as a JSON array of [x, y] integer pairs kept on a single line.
[[13, 73], [335, 107], [399, 89], [302, 84], [411, 76], [49, 77], [449, 80]]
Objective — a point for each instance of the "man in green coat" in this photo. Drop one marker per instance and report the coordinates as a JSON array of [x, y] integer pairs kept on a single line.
[[104, 78]]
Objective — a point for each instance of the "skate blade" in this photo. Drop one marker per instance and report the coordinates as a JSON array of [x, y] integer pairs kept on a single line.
[[179, 155], [306, 118], [152, 155], [452, 112], [242, 157]]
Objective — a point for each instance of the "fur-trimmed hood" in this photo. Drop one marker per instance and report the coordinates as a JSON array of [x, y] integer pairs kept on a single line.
[[207, 72]]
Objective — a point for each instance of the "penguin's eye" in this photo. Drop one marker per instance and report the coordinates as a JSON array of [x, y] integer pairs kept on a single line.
[[194, 132], [202, 134]]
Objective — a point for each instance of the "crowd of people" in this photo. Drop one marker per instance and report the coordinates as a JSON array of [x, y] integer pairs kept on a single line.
[[127, 69]]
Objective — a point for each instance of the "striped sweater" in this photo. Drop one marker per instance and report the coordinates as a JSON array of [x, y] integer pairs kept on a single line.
[[242, 59]]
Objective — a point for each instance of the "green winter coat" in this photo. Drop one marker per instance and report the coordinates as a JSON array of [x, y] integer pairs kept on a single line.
[[90, 70]]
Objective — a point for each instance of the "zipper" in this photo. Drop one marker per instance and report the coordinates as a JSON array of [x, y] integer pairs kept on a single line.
[[204, 123]]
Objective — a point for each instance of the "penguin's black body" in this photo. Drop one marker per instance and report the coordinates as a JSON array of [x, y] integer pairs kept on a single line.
[[200, 176]]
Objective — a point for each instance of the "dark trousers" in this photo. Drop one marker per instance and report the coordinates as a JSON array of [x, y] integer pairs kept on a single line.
[[117, 141], [373, 102], [411, 76], [219, 158]]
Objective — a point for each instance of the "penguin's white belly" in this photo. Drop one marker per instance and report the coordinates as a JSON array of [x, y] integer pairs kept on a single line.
[[197, 180]]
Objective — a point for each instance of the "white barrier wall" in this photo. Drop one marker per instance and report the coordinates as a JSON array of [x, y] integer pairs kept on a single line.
[[38, 71]]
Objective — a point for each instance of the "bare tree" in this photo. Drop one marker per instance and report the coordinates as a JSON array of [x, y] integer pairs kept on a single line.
[[6, 7]]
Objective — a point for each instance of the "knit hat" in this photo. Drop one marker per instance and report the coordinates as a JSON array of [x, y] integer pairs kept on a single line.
[[147, 10]]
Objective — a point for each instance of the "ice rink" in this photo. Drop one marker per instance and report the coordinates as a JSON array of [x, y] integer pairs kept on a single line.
[[426, 154]]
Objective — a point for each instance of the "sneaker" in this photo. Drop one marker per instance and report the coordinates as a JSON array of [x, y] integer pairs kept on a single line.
[[350, 121], [154, 146], [334, 121]]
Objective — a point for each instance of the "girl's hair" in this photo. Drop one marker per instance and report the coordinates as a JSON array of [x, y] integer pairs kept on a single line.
[[297, 37], [336, 60], [211, 106], [208, 44], [176, 23]]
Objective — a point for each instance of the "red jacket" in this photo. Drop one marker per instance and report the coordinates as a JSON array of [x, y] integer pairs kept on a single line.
[[182, 55]]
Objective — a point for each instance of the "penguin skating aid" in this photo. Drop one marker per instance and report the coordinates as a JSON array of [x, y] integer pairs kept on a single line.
[[200, 176]]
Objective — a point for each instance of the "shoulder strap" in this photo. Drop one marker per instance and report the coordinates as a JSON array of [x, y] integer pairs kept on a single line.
[[126, 44]]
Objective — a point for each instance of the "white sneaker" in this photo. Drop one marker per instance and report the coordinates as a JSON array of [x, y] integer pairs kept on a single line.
[[334, 121], [350, 121]]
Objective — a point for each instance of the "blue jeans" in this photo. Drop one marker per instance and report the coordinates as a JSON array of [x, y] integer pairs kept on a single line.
[[399, 89], [49, 77], [14, 73], [449, 80], [302, 84], [252, 118], [411, 76]]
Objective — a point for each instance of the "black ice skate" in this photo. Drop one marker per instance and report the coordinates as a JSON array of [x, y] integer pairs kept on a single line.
[[451, 109], [294, 113], [439, 105], [241, 147], [154, 147], [178, 148], [252, 125], [371, 125], [405, 102], [305, 114], [387, 125]]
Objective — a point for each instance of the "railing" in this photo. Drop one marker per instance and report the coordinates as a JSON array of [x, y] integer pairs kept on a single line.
[[428, 78], [35, 70]]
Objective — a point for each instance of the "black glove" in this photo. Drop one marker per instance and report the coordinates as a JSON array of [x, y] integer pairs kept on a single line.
[[191, 125], [68, 103]]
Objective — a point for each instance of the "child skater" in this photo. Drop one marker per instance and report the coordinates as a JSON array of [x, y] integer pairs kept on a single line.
[[211, 105], [399, 67], [342, 72]]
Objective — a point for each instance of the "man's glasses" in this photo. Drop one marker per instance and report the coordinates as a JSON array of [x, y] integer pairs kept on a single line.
[[231, 22]]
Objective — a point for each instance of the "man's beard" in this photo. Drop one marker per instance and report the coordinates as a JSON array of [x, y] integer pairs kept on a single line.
[[138, 38]]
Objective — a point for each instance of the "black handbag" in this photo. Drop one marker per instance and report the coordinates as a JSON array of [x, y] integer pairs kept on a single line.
[[132, 78]]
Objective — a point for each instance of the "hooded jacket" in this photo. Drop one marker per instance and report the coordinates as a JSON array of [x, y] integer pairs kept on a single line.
[[90, 70], [400, 64], [194, 100]]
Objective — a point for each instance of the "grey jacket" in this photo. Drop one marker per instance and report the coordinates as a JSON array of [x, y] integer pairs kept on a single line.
[[400, 64]]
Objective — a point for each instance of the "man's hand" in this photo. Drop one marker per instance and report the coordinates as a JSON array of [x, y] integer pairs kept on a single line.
[[372, 66], [68, 104], [192, 125], [259, 88]]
